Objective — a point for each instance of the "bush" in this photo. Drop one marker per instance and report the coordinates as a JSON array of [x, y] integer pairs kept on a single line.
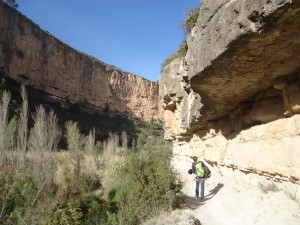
[[147, 186], [191, 20], [69, 213], [181, 52], [55, 188], [16, 198], [187, 25], [85, 211], [76, 185]]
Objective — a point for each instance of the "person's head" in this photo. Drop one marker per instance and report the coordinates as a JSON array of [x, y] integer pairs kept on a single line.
[[195, 158]]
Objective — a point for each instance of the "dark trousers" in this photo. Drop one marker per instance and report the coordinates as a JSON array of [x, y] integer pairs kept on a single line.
[[200, 183]]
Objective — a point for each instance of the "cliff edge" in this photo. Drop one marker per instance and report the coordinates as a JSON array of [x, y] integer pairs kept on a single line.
[[34, 57]]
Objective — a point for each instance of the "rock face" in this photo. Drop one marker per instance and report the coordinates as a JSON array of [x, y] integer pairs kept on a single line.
[[270, 149], [240, 74], [34, 57]]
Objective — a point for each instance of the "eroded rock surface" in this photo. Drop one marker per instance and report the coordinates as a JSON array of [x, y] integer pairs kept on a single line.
[[36, 58], [270, 149], [242, 69]]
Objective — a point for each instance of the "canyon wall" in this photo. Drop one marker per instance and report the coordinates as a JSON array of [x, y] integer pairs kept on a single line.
[[234, 99], [34, 57]]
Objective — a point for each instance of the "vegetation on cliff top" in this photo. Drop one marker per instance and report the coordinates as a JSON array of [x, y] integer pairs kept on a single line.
[[187, 26], [190, 20], [181, 52]]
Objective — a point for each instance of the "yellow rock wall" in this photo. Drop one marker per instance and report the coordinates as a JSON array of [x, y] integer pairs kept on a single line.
[[270, 149]]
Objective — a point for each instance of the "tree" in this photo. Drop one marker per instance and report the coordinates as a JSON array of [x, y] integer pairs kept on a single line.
[[22, 127], [12, 3], [3, 123], [45, 134], [75, 145]]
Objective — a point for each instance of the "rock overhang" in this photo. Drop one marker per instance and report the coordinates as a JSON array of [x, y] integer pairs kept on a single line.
[[230, 64], [237, 51]]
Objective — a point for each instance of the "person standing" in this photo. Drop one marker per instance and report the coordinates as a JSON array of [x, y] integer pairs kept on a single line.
[[202, 172]]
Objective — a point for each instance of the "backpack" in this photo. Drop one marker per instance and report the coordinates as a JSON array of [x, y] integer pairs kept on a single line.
[[202, 170]]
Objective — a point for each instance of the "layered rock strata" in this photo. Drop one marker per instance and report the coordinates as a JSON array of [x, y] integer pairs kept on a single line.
[[36, 58], [240, 75]]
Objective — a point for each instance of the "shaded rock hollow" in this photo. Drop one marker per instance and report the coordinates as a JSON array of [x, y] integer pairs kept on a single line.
[[240, 75], [34, 57]]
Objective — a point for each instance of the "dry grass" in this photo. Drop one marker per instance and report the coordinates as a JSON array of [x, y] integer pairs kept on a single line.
[[36, 177]]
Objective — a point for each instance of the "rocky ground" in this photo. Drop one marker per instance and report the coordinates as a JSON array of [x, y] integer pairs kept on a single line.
[[232, 197]]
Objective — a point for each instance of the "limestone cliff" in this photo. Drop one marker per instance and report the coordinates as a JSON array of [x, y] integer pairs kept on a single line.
[[235, 96], [36, 58]]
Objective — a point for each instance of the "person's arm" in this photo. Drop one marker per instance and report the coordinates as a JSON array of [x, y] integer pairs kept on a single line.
[[206, 169], [194, 167]]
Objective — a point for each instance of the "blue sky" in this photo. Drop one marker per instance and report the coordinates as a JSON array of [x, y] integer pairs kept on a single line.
[[134, 35]]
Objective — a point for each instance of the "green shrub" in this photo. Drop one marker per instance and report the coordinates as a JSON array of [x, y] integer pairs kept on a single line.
[[98, 149], [191, 20], [96, 210], [188, 24], [181, 52], [141, 141], [69, 213], [85, 211], [77, 185], [34, 190], [16, 197], [123, 216], [148, 185]]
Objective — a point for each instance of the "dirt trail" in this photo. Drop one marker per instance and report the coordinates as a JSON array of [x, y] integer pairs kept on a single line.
[[234, 198]]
